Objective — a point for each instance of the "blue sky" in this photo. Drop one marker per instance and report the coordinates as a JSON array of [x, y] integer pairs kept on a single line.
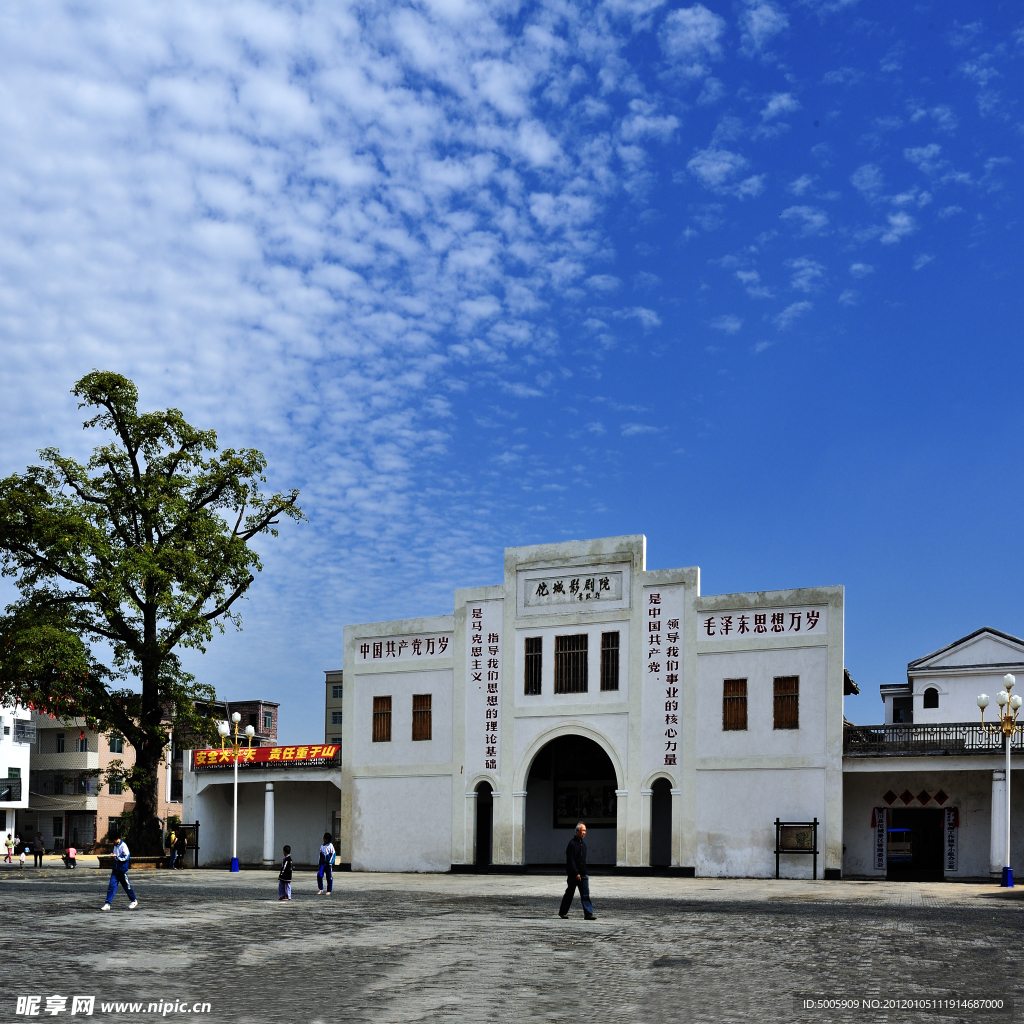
[[744, 277]]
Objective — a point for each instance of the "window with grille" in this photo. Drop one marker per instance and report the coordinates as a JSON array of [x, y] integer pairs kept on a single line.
[[787, 702], [571, 663], [382, 719], [336, 717], [609, 661], [116, 787], [534, 659], [734, 704], [421, 723], [336, 692]]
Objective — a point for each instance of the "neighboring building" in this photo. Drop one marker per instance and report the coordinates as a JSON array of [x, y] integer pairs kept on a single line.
[[70, 803], [333, 706], [15, 746], [586, 687], [924, 794]]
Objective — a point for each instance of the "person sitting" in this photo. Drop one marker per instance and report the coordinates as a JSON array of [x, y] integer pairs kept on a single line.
[[69, 857]]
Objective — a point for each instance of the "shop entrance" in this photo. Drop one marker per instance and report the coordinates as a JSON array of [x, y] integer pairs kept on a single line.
[[916, 843], [571, 779]]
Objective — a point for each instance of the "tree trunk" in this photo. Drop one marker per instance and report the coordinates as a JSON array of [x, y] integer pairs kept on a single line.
[[147, 835]]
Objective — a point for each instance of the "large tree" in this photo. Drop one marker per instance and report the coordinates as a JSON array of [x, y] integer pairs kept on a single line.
[[122, 562]]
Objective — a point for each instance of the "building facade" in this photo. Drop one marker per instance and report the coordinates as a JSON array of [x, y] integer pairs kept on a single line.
[[586, 687], [334, 703], [924, 793], [15, 747]]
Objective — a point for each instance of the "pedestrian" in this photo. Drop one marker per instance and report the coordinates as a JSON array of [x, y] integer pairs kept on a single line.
[[576, 870], [182, 847], [284, 879], [38, 849], [9, 843], [69, 857], [119, 875], [326, 868], [170, 843], [22, 850]]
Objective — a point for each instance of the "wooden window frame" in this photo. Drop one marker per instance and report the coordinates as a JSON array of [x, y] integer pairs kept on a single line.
[[734, 705], [382, 719], [571, 663], [422, 721], [610, 660], [533, 665], [786, 702]]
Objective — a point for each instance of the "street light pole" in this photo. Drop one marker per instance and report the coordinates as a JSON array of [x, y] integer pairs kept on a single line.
[[1006, 724], [236, 746]]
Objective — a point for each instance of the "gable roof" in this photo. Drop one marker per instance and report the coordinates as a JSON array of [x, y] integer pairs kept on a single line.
[[985, 649]]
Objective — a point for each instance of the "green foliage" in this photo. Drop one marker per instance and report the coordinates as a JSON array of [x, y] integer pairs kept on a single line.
[[144, 550]]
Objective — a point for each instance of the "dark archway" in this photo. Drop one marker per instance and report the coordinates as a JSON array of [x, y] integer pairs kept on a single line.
[[571, 779], [661, 823], [484, 825]]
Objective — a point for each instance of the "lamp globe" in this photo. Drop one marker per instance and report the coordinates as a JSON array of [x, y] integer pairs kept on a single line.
[[1002, 698], [1016, 700], [250, 731], [983, 700], [236, 718]]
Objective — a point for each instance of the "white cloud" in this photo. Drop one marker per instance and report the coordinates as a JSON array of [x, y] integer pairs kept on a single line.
[[848, 297], [633, 429], [925, 157], [690, 36], [716, 170], [861, 269], [868, 180], [728, 323], [760, 22], [792, 313], [922, 260], [647, 317], [761, 346], [603, 283], [806, 273], [751, 279], [950, 211], [900, 225], [798, 186], [807, 220], [778, 104]]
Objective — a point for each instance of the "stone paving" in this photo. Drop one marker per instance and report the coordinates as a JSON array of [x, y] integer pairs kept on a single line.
[[490, 948]]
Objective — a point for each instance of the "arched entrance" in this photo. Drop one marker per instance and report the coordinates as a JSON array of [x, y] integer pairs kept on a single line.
[[571, 779], [661, 823], [484, 825]]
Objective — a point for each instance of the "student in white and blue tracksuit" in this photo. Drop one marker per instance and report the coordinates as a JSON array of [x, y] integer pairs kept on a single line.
[[119, 873], [327, 853]]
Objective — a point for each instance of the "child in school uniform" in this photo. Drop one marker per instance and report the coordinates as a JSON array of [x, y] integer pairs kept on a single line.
[[284, 879], [326, 868]]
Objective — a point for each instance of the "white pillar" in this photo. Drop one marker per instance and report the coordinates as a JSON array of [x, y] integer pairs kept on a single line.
[[997, 842], [269, 853]]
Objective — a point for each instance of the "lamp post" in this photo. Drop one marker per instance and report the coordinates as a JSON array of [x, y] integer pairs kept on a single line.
[[224, 728], [1006, 724]]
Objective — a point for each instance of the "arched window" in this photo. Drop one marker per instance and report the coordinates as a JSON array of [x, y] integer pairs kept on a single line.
[[931, 697]]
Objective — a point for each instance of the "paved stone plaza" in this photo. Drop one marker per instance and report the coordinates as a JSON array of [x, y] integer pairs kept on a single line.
[[397, 948]]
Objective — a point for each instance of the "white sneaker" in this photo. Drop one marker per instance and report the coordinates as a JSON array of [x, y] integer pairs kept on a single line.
[[106, 906], [133, 904]]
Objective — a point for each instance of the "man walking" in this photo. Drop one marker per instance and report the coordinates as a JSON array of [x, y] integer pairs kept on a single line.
[[576, 869], [172, 839], [38, 849], [119, 874]]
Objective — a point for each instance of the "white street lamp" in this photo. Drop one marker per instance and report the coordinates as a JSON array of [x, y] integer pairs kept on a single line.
[[236, 747], [1006, 724]]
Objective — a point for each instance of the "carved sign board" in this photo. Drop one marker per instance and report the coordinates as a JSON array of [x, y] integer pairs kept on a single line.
[[579, 587]]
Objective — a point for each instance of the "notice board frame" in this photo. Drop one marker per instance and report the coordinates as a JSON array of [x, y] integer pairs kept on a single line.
[[779, 849]]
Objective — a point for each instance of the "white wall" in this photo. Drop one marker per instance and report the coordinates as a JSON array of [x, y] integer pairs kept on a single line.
[[402, 824], [958, 697], [736, 812], [303, 813], [14, 755], [401, 686], [970, 791], [759, 668]]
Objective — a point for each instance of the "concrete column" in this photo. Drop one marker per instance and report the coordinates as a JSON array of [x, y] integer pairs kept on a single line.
[[677, 831], [469, 839], [621, 828], [997, 842], [269, 853], [645, 827]]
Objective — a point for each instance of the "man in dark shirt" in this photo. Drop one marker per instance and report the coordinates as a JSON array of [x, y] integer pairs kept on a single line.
[[576, 869]]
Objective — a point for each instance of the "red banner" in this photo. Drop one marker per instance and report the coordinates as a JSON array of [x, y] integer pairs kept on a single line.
[[262, 755]]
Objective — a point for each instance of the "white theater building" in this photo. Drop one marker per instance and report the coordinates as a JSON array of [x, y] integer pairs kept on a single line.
[[583, 686]]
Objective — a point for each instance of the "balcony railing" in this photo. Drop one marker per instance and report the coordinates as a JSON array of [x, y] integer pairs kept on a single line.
[[950, 738]]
